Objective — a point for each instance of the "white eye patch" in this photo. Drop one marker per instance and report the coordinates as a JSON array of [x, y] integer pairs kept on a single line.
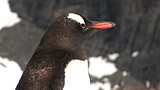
[[76, 17]]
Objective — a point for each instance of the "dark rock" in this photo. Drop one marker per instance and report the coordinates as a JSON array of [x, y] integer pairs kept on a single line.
[[19, 42]]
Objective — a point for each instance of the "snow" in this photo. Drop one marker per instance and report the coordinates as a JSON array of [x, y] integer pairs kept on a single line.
[[135, 53], [115, 87], [10, 73], [148, 84], [105, 80], [113, 56], [7, 17], [100, 86], [124, 73], [99, 67]]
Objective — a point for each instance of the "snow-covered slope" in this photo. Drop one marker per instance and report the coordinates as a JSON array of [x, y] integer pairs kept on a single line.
[[10, 73], [99, 67]]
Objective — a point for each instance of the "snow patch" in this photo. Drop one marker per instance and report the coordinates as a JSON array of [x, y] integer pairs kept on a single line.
[[124, 73], [135, 53], [106, 80], [100, 86], [113, 56], [99, 67], [148, 85], [115, 87], [7, 18], [10, 73]]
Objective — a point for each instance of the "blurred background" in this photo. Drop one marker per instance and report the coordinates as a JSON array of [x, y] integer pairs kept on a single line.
[[126, 57]]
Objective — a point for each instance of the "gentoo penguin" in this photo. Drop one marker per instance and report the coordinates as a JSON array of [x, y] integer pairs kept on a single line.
[[59, 62]]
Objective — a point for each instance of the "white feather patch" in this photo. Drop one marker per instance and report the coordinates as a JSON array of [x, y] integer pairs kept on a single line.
[[76, 17], [76, 76]]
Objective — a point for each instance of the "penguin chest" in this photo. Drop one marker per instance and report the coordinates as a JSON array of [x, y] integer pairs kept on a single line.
[[76, 75]]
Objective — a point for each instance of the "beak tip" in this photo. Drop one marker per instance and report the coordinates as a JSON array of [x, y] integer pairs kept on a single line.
[[113, 24]]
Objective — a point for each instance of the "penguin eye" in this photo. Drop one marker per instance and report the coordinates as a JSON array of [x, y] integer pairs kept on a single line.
[[83, 25]]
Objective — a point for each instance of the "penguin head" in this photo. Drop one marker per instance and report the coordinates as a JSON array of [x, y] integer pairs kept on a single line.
[[71, 30]]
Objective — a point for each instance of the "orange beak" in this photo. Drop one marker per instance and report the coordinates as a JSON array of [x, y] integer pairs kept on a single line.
[[104, 25]]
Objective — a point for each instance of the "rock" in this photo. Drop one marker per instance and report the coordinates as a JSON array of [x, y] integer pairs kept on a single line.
[[19, 42]]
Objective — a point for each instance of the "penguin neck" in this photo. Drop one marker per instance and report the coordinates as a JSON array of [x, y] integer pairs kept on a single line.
[[76, 50], [55, 42]]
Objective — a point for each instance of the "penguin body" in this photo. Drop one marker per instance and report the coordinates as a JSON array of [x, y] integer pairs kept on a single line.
[[59, 62]]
